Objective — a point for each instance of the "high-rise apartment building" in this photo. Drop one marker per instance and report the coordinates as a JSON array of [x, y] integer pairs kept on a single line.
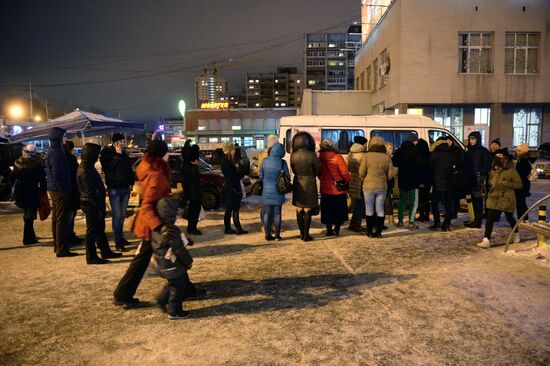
[[210, 88], [274, 90], [329, 59]]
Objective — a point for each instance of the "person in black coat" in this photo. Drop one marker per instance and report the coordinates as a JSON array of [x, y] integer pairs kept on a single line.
[[60, 186], [441, 164], [119, 177], [92, 201], [29, 179], [523, 166], [232, 190], [192, 187], [458, 182], [425, 181], [74, 196], [477, 164], [408, 161]]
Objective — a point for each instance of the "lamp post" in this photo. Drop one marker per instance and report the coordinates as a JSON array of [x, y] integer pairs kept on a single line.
[[182, 107]]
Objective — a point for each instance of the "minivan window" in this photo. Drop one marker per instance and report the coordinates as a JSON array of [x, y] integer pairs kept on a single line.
[[435, 134], [395, 137], [343, 139]]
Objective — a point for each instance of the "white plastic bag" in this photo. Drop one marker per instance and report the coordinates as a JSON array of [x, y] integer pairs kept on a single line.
[[202, 214]]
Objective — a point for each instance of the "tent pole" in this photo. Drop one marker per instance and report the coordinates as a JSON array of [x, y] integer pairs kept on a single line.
[[82, 136]]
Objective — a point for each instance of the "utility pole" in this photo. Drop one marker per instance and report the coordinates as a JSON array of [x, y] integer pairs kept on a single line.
[[47, 116], [30, 98]]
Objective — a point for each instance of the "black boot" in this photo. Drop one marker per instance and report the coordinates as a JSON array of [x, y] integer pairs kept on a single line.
[[300, 220], [307, 224], [227, 224], [103, 245], [29, 236], [337, 230], [237, 222], [370, 226], [329, 230], [379, 221]]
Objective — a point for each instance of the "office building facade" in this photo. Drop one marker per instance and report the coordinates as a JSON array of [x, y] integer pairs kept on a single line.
[[281, 89], [210, 88]]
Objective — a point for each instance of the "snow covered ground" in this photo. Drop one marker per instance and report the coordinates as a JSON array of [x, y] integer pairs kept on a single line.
[[410, 298]]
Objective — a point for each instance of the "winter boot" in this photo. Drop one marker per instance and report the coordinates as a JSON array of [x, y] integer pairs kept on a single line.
[[103, 245], [370, 225], [337, 230], [329, 230], [307, 224], [237, 222], [379, 221], [300, 220], [227, 225], [29, 236], [485, 243]]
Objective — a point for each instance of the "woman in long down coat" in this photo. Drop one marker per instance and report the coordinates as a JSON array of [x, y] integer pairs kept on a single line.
[[334, 204], [271, 198], [31, 184], [232, 190], [305, 167], [356, 154]]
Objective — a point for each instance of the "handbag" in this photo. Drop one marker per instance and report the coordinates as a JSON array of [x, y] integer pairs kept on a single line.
[[284, 185], [342, 185], [44, 207]]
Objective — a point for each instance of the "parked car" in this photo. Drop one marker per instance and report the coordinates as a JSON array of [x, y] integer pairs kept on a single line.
[[215, 158], [542, 165], [211, 182]]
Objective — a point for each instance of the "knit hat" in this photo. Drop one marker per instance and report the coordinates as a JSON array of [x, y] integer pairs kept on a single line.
[[227, 147], [157, 148], [327, 145], [503, 152], [360, 140], [412, 137], [117, 136], [496, 141], [56, 133]]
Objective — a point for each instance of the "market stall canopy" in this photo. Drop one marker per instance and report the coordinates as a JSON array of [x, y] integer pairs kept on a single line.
[[79, 123]]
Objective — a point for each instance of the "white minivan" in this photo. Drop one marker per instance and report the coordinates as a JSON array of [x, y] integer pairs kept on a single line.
[[342, 129]]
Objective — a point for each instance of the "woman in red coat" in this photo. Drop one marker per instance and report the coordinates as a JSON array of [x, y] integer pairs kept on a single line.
[[153, 175], [334, 205]]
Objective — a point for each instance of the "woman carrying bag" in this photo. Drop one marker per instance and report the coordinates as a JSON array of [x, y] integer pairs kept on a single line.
[[334, 177], [272, 198], [233, 192]]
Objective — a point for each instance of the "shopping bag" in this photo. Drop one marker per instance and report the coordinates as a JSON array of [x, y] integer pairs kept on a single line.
[[202, 214], [44, 207]]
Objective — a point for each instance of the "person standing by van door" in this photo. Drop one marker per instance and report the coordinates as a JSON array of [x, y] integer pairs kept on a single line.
[[408, 162], [119, 177], [477, 164], [356, 153], [305, 166], [441, 163], [375, 171]]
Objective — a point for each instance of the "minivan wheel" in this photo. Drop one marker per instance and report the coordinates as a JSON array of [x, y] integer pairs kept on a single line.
[[210, 199]]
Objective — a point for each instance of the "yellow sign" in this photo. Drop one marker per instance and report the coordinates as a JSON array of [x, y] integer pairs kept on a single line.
[[215, 105]]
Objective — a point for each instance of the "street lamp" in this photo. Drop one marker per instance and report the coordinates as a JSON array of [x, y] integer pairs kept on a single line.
[[15, 111], [37, 118]]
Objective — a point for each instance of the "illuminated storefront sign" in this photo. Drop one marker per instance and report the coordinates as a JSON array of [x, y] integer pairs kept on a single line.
[[215, 105]]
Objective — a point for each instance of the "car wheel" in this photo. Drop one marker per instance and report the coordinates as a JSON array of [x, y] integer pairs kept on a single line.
[[210, 199]]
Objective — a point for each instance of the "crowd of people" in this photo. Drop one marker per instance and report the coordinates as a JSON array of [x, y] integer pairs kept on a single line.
[[427, 176]]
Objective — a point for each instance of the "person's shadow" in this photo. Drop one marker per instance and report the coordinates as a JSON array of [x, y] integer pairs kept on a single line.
[[289, 292]]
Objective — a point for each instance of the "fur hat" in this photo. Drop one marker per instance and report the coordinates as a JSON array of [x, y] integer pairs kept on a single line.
[[327, 144], [360, 140]]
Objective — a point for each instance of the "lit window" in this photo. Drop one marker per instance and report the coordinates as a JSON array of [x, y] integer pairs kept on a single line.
[[213, 140], [415, 111], [276, 80], [250, 81], [257, 80], [202, 128], [257, 104], [276, 104], [283, 104], [311, 82], [236, 128], [527, 123], [251, 87], [482, 116], [276, 92], [297, 81], [450, 118]]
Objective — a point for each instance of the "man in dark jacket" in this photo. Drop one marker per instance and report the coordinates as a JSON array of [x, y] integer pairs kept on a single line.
[[30, 181], [477, 164], [119, 177], [458, 182], [192, 188], [59, 187], [441, 163], [92, 201], [409, 163]]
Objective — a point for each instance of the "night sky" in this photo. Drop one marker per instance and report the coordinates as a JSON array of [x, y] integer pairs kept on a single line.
[[140, 57]]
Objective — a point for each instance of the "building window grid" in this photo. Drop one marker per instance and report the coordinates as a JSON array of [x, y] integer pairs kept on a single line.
[[452, 119], [475, 49], [526, 125], [482, 116], [521, 53]]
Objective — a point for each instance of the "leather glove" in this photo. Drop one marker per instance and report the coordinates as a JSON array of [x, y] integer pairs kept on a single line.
[[169, 232]]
